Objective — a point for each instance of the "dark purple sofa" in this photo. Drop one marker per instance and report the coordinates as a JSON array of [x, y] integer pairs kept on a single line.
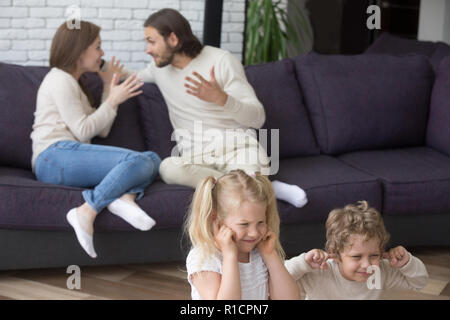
[[372, 127]]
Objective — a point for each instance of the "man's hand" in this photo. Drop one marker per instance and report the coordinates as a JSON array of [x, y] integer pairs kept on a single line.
[[397, 257], [208, 91]]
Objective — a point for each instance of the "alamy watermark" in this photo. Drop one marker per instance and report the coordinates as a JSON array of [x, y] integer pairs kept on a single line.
[[374, 281], [73, 17], [374, 21], [73, 281], [230, 147]]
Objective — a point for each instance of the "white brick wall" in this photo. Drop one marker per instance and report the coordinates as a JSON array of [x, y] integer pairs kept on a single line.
[[27, 26]]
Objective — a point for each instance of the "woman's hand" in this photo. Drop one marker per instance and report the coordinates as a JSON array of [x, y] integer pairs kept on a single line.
[[113, 67], [124, 91]]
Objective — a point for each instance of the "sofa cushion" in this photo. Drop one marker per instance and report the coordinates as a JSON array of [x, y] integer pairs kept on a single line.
[[438, 130], [126, 130], [18, 91], [442, 51], [366, 101], [415, 180], [29, 204], [390, 44], [156, 127], [276, 86], [328, 183]]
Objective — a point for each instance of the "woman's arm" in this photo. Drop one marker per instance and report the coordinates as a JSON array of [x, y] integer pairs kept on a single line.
[[83, 122]]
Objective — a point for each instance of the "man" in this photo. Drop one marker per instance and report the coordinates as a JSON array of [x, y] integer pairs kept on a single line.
[[212, 107]]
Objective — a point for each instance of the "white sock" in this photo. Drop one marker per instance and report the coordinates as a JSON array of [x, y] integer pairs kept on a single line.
[[131, 214], [85, 239], [290, 193]]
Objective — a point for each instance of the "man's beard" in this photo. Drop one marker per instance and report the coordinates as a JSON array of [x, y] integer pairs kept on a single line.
[[167, 57]]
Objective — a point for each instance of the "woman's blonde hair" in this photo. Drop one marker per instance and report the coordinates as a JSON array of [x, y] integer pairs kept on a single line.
[[217, 196], [354, 219]]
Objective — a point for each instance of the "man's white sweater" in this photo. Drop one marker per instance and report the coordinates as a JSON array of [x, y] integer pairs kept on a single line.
[[194, 118]]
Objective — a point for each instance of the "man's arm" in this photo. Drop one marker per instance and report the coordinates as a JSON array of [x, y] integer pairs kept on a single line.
[[228, 88], [241, 102]]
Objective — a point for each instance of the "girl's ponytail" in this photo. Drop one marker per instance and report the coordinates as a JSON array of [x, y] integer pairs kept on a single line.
[[199, 221]]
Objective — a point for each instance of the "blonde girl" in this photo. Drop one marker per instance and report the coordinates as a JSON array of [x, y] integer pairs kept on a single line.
[[233, 225]]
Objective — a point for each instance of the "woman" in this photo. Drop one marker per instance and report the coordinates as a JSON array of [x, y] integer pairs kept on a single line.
[[64, 124]]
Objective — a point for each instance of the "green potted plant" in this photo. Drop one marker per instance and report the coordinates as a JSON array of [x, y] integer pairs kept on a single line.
[[269, 29]]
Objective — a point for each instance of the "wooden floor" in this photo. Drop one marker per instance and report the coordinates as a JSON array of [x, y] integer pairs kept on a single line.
[[168, 281]]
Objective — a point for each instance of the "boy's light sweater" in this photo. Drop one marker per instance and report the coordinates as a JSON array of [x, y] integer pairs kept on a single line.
[[329, 284], [242, 109], [63, 112]]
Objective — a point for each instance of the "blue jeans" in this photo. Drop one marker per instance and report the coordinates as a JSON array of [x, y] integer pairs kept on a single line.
[[110, 171]]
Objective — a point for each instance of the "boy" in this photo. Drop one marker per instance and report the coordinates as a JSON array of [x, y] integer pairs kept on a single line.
[[352, 266]]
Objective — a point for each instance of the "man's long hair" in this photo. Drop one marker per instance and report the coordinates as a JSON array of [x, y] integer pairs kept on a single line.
[[169, 20]]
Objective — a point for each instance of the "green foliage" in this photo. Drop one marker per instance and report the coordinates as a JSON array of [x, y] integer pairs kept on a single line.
[[269, 29]]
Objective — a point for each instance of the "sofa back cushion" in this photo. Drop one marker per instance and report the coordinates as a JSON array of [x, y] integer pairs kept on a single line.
[[389, 44], [276, 86], [156, 127], [438, 131], [366, 101], [18, 91], [442, 51]]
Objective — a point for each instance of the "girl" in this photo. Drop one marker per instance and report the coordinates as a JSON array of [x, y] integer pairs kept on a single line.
[[233, 225], [64, 124]]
